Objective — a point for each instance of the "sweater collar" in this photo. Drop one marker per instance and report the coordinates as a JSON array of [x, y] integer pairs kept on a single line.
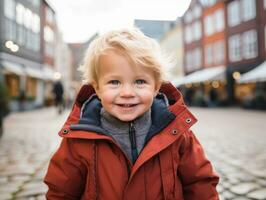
[[114, 125]]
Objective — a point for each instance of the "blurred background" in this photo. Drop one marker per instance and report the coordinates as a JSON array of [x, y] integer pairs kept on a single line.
[[218, 49]]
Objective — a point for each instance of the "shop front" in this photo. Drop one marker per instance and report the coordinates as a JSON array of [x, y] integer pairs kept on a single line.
[[26, 83], [253, 87], [206, 87]]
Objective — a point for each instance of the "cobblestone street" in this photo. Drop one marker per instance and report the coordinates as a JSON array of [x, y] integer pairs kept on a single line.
[[26, 146], [234, 140]]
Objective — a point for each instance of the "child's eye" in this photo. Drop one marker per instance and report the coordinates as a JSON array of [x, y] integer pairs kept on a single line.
[[114, 82], [140, 81]]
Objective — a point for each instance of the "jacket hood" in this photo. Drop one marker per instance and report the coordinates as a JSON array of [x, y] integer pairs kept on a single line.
[[86, 109]]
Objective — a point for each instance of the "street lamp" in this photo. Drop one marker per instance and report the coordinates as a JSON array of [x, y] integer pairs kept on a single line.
[[12, 46], [236, 75], [57, 76]]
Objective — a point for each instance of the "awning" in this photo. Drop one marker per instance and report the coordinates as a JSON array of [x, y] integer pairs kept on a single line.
[[15, 68], [257, 74], [48, 73], [39, 72], [34, 72], [208, 74]]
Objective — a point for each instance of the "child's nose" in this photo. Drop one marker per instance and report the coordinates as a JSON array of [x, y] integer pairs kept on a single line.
[[127, 91]]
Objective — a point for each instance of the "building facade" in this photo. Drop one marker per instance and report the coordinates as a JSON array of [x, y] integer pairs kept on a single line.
[[22, 52], [245, 42], [63, 66], [214, 46], [49, 42], [232, 42], [192, 37], [172, 46]]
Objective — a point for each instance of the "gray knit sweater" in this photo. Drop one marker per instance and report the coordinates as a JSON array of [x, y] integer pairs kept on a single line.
[[119, 130]]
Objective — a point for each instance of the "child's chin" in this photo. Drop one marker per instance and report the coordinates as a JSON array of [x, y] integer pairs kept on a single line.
[[127, 118]]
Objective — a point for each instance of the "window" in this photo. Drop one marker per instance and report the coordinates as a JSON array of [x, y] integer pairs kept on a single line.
[[188, 17], [10, 30], [36, 23], [188, 61], [28, 18], [49, 15], [188, 34], [13, 85], [48, 34], [197, 11], [208, 25], [28, 43], [248, 9], [219, 20], [250, 44], [9, 9], [234, 48], [233, 13], [197, 58], [193, 59], [31, 89], [36, 3], [264, 3], [36, 43], [49, 38], [208, 54], [208, 3], [20, 12], [197, 30]]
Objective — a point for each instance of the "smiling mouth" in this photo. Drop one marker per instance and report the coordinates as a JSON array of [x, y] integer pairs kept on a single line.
[[127, 105]]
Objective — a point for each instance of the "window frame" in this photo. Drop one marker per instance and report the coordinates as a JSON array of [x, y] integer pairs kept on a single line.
[[249, 10], [233, 13], [250, 44], [235, 54]]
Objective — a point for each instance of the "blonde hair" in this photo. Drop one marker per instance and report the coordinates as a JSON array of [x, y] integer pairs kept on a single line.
[[140, 49]]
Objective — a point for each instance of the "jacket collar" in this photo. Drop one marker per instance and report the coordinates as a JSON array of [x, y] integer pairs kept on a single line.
[[177, 115], [90, 116]]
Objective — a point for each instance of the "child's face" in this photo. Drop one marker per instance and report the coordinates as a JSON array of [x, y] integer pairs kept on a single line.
[[126, 92]]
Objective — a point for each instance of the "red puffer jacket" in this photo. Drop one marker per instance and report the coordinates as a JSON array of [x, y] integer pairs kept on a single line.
[[90, 165]]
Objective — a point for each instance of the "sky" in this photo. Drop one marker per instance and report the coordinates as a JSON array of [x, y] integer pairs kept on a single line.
[[78, 20]]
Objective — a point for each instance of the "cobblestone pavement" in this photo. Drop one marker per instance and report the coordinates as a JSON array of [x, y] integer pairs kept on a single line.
[[234, 141], [26, 146]]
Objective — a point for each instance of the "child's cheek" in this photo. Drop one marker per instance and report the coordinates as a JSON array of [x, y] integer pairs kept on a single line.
[[145, 93], [110, 95]]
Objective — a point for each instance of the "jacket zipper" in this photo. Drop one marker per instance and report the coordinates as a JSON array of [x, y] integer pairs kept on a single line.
[[132, 137]]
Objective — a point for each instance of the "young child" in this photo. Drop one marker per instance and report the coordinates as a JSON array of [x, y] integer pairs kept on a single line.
[[128, 136]]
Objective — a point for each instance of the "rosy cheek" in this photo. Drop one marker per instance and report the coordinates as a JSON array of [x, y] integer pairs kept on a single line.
[[145, 94]]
